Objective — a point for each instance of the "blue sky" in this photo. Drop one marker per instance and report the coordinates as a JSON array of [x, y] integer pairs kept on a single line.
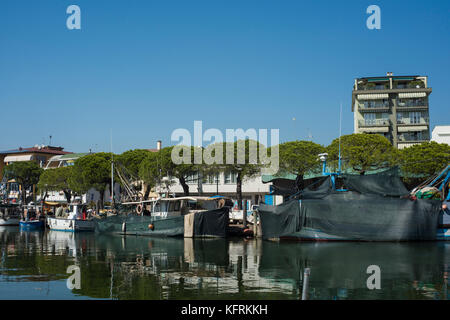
[[145, 68]]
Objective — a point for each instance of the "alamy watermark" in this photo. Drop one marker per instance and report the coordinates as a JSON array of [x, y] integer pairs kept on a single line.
[[374, 20], [74, 281], [74, 20], [257, 152], [374, 280]]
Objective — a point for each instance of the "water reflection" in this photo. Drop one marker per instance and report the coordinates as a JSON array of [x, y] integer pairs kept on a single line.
[[118, 267]]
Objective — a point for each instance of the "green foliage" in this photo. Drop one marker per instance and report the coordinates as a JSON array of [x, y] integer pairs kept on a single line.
[[415, 83], [148, 169], [26, 173], [56, 180], [242, 159], [362, 152], [132, 159], [91, 171], [427, 158], [157, 165], [300, 157]]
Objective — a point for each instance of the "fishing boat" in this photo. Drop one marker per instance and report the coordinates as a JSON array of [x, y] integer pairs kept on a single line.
[[170, 217], [32, 224], [75, 220], [373, 207], [31, 219], [436, 186]]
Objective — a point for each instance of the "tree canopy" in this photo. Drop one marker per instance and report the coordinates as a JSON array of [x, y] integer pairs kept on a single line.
[[427, 158], [132, 160], [161, 164], [91, 171], [362, 152], [56, 179], [300, 157], [26, 173]]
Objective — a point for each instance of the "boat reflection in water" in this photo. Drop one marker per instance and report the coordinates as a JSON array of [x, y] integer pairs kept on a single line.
[[130, 267]]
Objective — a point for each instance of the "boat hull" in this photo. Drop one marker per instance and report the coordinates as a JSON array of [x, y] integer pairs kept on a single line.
[[9, 221], [142, 226], [70, 225], [203, 224], [32, 225]]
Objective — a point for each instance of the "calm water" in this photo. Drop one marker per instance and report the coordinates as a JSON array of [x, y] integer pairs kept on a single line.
[[33, 265]]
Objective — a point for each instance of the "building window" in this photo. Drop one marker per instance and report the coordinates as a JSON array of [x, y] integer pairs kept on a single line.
[[369, 118], [230, 177], [211, 179], [192, 178], [414, 117]]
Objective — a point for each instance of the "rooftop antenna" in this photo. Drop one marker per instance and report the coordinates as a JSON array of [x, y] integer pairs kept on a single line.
[[50, 141], [340, 132]]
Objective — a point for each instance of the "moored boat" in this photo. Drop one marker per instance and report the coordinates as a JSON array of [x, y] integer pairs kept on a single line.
[[9, 221], [32, 224], [170, 217], [375, 207], [74, 221], [9, 215]]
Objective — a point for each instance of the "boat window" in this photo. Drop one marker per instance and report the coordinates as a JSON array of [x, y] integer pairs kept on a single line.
[[164, 206], [174, 206], [157, 207]]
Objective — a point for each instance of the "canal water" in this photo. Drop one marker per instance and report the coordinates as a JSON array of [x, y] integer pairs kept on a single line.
[[34, 265]]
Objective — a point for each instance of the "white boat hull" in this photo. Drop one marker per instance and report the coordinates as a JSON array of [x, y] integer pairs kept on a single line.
[[9, 221], [70, 225]]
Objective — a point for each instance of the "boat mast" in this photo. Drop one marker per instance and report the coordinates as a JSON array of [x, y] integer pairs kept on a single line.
[[112, 174], [340, 132]]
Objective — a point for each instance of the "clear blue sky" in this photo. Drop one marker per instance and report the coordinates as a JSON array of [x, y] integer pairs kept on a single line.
[[145, 68]]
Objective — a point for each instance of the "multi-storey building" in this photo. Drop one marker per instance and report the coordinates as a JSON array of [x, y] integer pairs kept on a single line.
[[393, 106]]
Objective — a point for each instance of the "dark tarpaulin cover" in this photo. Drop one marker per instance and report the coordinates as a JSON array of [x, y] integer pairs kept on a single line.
[[386, 183], [283, 187], [211, 223], [353, 216], [373, 211]]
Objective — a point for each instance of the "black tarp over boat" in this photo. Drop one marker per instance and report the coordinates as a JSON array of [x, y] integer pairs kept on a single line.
[[374, 208]]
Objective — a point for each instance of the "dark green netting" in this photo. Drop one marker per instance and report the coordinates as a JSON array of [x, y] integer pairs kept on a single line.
[[372, 210], [352, 216], [386, 183]]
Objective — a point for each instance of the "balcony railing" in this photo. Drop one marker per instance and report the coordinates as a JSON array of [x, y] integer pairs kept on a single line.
[[377, 87], [374, 123], [407, 104], [408, 121]]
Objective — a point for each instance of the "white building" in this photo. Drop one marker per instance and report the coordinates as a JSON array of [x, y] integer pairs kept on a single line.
[[224, 184], [441, 134]]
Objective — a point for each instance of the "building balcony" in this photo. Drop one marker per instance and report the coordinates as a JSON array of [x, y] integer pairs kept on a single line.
[[377, 108], [374, 123], [387, 90], [409, 122]]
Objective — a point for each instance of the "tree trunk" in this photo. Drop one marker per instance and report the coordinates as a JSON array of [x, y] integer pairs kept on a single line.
[[68, 195], [300, 182], [102, 195], [148, 188], [239, 190], [184, 185]]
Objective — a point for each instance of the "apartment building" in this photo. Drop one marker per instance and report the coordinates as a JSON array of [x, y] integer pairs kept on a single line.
[[394, 106]]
